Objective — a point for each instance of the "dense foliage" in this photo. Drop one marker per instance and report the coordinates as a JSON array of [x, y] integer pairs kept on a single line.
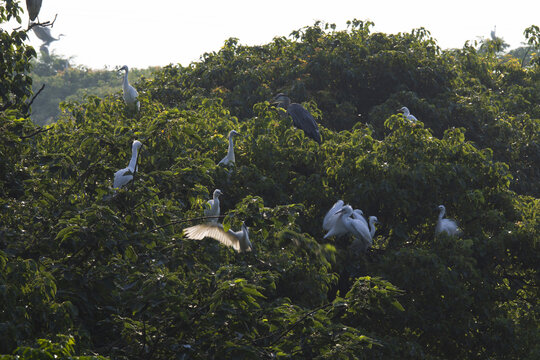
[[91, 271]]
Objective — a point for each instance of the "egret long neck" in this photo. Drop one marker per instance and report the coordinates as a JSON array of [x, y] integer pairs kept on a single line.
[[230, 152], [133, 161], [126, 78], [441, 214], [372, 227]]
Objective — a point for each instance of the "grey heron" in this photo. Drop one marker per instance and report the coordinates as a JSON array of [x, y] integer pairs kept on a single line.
[[130, 94], [407, 114], [213, 206], [302, 119], [445, 225], [229, 158], [33, 7], [238, 240], [124, 176]]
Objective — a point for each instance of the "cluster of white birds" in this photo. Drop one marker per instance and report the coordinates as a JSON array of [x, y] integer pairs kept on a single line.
[[342, 220]]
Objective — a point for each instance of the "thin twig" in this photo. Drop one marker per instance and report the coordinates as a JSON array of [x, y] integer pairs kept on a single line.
[[33, 98], [35, 133], [298, 322], [46, 23], [186, 220]]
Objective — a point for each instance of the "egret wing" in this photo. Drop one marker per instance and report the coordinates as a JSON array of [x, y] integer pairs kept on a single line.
[[357, 215], [214, 231], [122, 177], [361, 230], [330, 218]]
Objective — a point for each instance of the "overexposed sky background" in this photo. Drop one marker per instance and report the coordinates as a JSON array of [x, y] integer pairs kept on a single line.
[[138, 33]]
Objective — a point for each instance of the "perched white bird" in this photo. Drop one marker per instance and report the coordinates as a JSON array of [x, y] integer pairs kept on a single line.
[[359, 215], [122, 177], [238, 240], [408, 114], [445, 225], [229, 159], [493, 33], [130, 94], [33, 7], [213, 206]]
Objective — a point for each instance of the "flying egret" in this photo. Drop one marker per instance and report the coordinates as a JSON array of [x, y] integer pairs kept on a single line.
[[33, 7], [302, 119], [362, 230], [44, 34], [213, 209], [229, 159], [122, 177], [445, 225], [407, 114], [130, 94], [238, 240]]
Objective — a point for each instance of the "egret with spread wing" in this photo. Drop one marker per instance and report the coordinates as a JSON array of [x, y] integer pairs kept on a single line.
[[238, 240]]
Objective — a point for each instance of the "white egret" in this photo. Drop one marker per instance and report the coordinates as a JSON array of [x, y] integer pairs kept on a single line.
[[445, 225], [122, 177], [407, 114], [359, 215], [302, 119], [130, 94], [493, 33], [229, 158], [33, 7], [238, 240], [213, 206]]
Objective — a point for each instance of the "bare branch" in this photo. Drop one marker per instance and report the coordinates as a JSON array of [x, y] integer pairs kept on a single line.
[[27, 106], [46, 23], [186, 220]]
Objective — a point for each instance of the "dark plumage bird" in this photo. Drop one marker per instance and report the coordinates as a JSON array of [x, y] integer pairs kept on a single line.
[[302, 119], [33, 7]]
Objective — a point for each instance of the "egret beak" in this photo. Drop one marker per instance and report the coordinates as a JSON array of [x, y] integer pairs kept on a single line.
[[399, 110]]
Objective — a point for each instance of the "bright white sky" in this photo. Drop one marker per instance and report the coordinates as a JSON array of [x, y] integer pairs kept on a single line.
[[141, 33]]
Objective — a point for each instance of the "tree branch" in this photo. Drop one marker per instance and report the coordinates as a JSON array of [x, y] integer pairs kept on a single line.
[[27, 106], [35, 133], [186, 220]]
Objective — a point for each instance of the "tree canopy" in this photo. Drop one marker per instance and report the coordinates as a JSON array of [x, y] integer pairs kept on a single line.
[[92, 272]]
